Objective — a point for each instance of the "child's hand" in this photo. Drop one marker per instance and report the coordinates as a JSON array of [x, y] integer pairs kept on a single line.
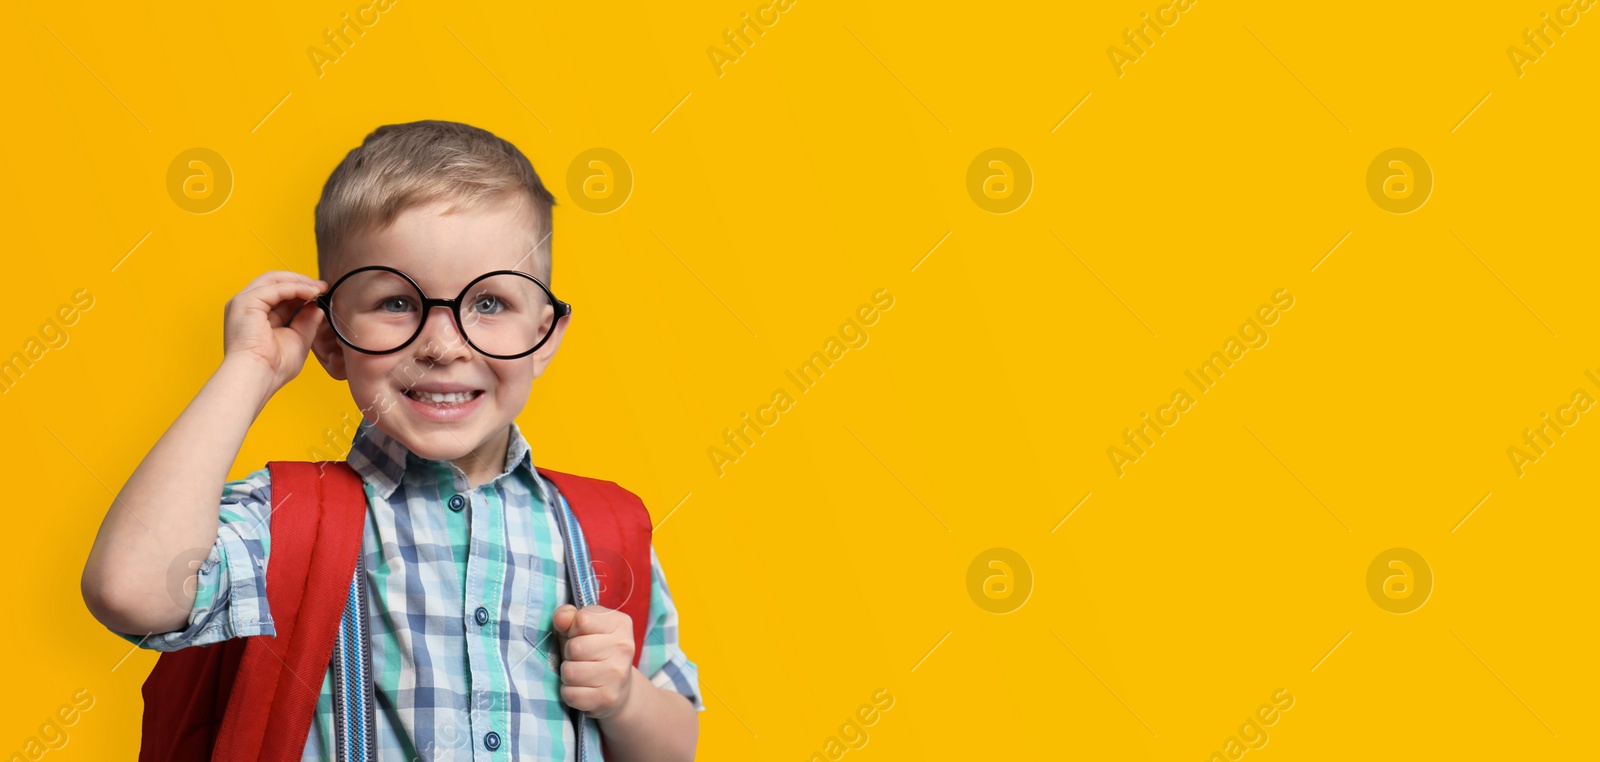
[[597, 648], [256, 323]]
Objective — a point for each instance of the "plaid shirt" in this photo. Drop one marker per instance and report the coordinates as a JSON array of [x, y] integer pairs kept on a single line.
[[435, 551]]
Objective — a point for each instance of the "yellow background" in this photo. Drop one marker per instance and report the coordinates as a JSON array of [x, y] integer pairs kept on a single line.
[[824, 165]]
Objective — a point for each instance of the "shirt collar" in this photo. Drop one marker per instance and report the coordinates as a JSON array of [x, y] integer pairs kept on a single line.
[[382, 460]]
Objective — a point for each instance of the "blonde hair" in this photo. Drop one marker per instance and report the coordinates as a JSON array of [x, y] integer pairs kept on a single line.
[[400, 166]]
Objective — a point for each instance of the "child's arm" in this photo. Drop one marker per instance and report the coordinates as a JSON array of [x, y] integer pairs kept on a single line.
[[166, 518], [653, 724]]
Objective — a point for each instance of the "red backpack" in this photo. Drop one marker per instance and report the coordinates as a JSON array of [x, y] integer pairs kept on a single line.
[[241, 699]]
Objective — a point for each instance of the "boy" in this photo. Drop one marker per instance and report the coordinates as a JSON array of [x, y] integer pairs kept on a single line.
[[467, 576]]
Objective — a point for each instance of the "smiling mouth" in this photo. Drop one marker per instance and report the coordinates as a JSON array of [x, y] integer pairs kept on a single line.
[[444, 400]]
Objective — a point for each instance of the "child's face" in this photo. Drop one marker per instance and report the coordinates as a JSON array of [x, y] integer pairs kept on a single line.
[[442, 253]]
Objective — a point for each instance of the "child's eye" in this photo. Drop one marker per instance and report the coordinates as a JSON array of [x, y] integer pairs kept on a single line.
[[487, 305], [395, 304]]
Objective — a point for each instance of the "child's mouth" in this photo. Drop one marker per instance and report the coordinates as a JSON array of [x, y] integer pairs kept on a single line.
[[443, 400], [444, 407]]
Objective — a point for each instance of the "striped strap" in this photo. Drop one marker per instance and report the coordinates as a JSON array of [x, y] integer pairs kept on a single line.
[[355, 737], [585, 589]]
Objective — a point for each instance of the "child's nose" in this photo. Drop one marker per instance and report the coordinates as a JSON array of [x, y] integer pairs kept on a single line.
[[440, 338]]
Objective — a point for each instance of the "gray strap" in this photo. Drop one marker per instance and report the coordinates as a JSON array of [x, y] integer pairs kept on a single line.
[[578, 586], [355, 735]]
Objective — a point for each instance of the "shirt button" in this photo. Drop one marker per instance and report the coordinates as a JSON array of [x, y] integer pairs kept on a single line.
[[482, 615], [491, 740], [457, 502]]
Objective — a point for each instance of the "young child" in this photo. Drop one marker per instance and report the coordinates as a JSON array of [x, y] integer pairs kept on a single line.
[[459, 532]]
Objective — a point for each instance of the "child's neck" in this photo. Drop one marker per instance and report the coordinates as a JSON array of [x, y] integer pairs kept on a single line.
[[485, 463]]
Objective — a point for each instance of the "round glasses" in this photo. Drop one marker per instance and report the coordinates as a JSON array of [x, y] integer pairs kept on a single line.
[[504, 314]]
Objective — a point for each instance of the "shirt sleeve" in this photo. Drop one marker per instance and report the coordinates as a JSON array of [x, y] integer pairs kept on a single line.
[[661, 659], [231, 583]]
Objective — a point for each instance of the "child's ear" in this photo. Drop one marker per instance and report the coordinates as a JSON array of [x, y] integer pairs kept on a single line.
[[326, 347], [544, 354]]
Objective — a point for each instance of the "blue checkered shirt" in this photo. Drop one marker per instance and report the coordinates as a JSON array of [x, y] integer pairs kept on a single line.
[[443, 683]]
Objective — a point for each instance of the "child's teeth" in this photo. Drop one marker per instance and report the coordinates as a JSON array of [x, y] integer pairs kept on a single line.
[[442, 399]]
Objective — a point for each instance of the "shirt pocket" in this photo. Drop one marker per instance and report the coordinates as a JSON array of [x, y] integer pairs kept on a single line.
[[544, 593]]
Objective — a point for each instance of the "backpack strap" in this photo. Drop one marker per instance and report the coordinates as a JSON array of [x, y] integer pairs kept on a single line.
[[355, 733], [316, 524], [608, 559], [616, 529]]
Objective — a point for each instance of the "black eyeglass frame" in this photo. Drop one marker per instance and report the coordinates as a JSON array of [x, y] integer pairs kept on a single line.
[[325, 301]]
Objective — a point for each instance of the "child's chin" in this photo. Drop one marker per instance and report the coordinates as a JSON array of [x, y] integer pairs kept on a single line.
[[443, 442]]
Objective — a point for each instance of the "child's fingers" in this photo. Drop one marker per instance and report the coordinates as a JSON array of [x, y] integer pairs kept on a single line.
[[283, 312], [268, 295], [598, 620], [562, 621], [277, 301], [305, 323], [282, 276], [585, 674], [309, 312], [596, 648], [582, 699], [281, 283]]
